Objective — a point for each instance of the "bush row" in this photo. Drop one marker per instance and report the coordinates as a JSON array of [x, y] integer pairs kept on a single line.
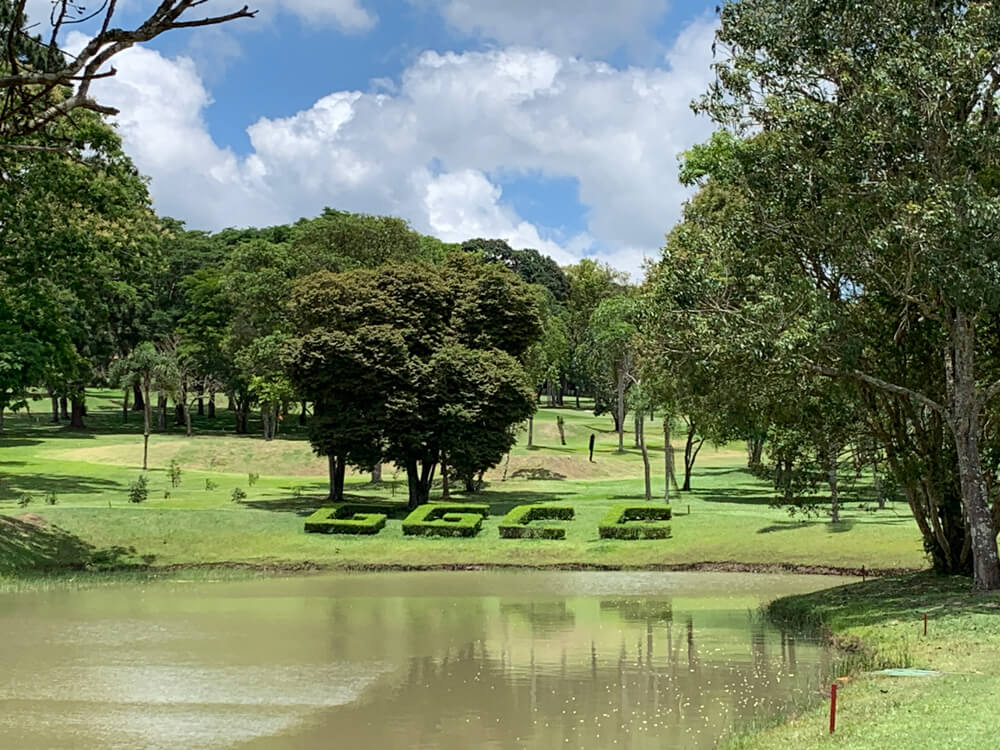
[[445, 520], [346, 518], [515, 523], [635, 522]]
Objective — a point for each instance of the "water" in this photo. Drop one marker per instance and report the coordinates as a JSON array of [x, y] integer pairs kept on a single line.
[[409, 660]]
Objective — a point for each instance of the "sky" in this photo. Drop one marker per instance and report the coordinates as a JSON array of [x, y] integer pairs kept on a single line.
[[553, 124]]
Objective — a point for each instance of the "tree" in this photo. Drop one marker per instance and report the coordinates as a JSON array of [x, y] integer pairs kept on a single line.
[[409, 361], [40, 85], [529, 264], [590, 282], [613, 351], [883, 208], [149, 369]]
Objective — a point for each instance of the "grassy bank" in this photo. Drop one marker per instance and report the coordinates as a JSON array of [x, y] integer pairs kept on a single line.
[[880, 623], [727, 516]]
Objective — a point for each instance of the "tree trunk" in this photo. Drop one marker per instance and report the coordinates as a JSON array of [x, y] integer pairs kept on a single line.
[[377, 473], [187, 421], [636, 428], [231, 406], [180, 408], [126, 392], [419, 482], [64, 407], [755, 449], [201, 406], [137, 401], [620, 412], [691, 448], [211, 405], [76, 414], [147, 425], [577, 394], [831, 478], [338, 470], [668, 461], [265, 418], [641, 428], [55, 408], [302, 423], [2, 410], [445, 489], [965, 404], [531, 431], [161, 411], [561, 425]]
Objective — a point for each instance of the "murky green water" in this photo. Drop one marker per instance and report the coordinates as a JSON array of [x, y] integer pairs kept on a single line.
[[421, 660]]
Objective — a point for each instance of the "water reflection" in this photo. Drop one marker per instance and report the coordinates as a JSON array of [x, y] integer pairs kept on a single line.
[[404, 662]]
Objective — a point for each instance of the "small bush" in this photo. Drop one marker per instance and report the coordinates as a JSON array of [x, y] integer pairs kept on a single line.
[[51, 498], [210, 485], [25, 500], [515, 524], [347, 518], [445, 520], [252, 478], [238, 494], [138, 491], [297, 491], [635, 522], [174, 472], [166, 494]]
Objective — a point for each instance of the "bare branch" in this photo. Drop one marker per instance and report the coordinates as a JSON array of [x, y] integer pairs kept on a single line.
[[884, 385]]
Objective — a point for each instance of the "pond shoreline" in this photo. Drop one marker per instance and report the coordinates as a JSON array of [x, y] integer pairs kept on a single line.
[[727, 566]]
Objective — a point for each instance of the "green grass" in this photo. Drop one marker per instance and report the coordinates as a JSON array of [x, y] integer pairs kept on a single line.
[[881, 624], [726, 517]]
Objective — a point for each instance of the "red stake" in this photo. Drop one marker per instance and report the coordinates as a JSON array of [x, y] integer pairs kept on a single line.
[[925, 623], [833, 707]]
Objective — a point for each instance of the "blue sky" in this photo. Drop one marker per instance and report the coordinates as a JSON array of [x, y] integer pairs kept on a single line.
[[552, 123]]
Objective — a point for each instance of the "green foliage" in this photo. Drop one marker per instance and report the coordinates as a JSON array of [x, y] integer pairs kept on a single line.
[[445, 520], [25, 500], [238, 494], [252, 478], [210, 485], [349, 518], [635, 522], [515, 524], [174, 472], [529, 264], [138, 490], [51, 498]]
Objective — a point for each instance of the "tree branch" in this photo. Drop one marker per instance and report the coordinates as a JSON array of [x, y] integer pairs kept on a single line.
[[884, 385]]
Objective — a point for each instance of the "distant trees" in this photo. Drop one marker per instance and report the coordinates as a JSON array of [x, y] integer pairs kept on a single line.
[[409, 363]]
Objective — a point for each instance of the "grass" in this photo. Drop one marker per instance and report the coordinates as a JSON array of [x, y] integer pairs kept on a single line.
[[880, 622], [727, 516]]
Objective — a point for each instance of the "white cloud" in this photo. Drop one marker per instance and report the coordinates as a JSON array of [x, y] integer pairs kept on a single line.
[[429, 149], [347, 15], [568, 27]]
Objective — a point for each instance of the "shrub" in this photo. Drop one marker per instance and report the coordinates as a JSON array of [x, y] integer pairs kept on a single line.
[[174, 472], [635, 522], [210, 485], [138, 491], [252, 478], [51, 498], [346, 518], [238, 494], [445, 520], [25, 500], [515, 524]]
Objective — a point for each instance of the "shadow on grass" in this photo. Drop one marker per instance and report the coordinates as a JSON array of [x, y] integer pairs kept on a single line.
[[734, 495], [13, 486], [784, 526], [879, 600], [537, 473], [28, 544]]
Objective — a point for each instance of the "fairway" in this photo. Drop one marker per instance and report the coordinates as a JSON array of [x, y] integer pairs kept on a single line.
[[727, 517]]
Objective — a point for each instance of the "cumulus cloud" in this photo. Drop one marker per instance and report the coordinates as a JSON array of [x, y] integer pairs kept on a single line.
[[431, 148], [569, 27]]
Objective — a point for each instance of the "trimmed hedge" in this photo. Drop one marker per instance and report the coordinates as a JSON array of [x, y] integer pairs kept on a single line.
[[346, 518], [515, 523], [445, 520], [635, 522]]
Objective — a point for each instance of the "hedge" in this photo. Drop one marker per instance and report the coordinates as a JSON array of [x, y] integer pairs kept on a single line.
[[346, 518], [635, 522], [515, 523], [445, 520]]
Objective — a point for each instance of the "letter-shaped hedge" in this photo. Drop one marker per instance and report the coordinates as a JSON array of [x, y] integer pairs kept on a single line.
[[345, 519], [635, 522], [515, 524], [445, 520]]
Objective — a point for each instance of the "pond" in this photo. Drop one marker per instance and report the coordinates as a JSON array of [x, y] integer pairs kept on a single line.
[[402, 660]]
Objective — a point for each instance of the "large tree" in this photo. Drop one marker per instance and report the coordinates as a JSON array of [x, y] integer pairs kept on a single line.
[[871, 173], [408, 362]]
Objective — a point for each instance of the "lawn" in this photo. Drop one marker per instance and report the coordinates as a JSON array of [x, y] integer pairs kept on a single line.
[[883, 619], [728, 516]]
